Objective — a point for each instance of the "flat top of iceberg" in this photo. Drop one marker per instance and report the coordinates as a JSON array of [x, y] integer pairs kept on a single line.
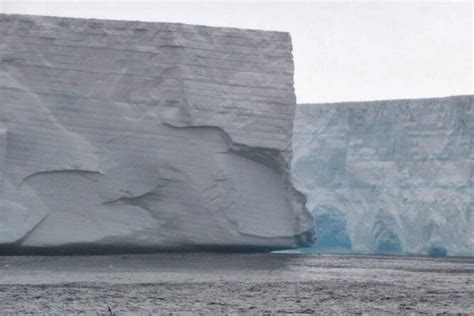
[[130, 23]]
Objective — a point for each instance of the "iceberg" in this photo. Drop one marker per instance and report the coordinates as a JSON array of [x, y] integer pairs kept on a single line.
[[390, 177], [133, 136]]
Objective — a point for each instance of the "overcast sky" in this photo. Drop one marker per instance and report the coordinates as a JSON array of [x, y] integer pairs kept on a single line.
[[344, 51]]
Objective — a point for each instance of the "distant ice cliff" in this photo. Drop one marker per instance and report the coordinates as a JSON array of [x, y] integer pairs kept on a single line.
[[389, 176]]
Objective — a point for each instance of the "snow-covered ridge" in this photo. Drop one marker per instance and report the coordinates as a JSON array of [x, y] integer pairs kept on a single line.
[[145, 136], [389, 176]]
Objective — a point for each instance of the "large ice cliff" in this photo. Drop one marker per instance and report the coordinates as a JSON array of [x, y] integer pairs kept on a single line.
[[133, 136], [389, 176]]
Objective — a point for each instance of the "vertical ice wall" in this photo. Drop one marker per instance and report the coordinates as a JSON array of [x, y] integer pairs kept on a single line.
[[389, 176], [143, 136]]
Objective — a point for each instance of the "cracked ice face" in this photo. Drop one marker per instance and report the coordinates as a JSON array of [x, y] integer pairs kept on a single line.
[[389, 176]]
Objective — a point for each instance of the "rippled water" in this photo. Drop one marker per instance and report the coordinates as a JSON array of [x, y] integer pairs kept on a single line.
[[233, 283]]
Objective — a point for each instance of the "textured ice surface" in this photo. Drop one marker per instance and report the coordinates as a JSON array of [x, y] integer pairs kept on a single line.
[[389, 176], [132, 135]]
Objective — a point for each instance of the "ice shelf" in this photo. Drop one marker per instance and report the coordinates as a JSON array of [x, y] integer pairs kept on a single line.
[[135, 136], [389, 176]]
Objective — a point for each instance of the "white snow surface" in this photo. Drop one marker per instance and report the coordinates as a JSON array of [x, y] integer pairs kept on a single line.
[[389, 176], [141, 135]]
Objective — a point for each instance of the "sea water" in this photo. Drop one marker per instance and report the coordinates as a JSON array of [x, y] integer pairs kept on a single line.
[[235, 283]]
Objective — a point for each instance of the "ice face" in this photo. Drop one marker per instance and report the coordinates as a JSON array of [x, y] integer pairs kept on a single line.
[[131, 135], [389, 176]]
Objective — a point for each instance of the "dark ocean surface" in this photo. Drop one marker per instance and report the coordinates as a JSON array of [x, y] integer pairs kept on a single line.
[[235, 283]]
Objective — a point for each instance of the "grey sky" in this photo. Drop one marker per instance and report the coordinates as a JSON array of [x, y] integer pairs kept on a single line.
[[344, 51]]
